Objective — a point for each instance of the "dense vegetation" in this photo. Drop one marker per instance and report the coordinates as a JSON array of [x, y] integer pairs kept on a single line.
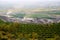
[[19, 31]]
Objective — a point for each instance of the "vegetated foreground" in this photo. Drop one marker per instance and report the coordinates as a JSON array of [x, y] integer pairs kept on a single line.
[[19, 31]]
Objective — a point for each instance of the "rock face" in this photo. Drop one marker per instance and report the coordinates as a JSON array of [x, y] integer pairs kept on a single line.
[[29, 20], [5, 19]]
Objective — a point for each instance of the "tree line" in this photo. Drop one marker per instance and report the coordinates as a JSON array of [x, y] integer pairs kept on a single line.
[[31, 31]]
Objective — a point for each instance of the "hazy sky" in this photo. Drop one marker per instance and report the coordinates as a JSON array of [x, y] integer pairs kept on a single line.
[[30, 3]]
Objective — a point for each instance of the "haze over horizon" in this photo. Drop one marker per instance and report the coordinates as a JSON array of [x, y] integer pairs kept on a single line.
[[29, 3]]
